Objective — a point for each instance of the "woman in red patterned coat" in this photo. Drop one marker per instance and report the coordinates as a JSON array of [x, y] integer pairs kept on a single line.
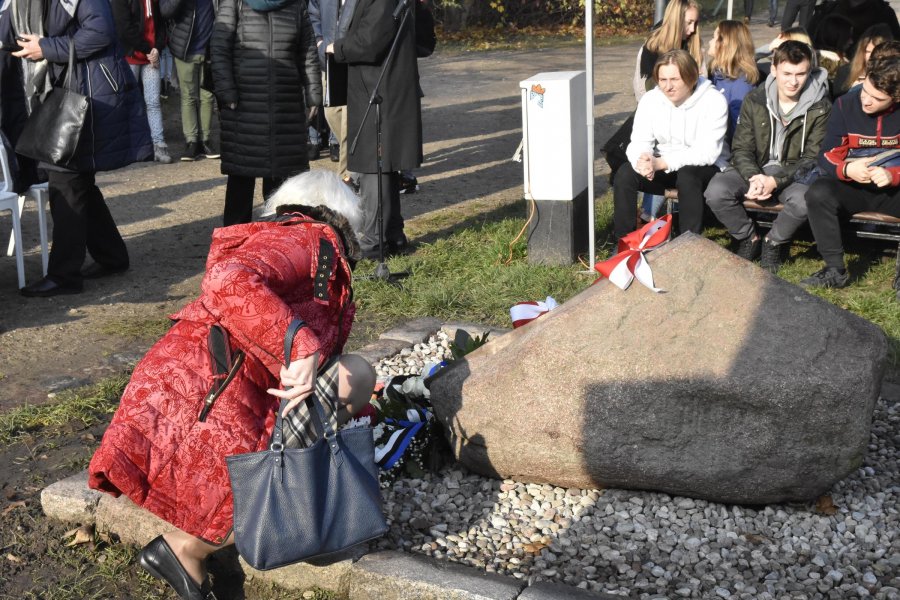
[[165, 448]]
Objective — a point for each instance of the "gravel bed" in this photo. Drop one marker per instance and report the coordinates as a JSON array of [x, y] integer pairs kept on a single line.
[[652, 545]]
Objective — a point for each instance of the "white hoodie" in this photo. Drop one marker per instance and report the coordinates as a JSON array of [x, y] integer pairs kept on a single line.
[[690, 134]]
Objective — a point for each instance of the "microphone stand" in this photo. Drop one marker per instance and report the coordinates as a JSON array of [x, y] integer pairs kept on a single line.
[[382, 271]]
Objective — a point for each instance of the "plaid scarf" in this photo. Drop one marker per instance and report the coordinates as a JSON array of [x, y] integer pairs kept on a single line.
[[299, 431]]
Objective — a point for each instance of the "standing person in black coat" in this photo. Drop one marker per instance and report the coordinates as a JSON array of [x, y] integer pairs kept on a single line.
[[264, 63], [115, 132], [365, 32]]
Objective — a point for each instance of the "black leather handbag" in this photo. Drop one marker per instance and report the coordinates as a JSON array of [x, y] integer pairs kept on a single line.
[[296, 504], [52, 132]]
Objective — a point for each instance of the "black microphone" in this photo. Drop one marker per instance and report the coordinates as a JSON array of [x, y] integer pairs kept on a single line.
[[401, 6]]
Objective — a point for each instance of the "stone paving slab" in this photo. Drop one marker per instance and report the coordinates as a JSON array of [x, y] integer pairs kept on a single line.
[[399, 576], [556, 591], [70, 500], [413, 332], [379, 349], [334, 577]]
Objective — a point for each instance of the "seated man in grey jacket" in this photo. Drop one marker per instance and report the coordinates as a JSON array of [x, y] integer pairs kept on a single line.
[[776, 141]]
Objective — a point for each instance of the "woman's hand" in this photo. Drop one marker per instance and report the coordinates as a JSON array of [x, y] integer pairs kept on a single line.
[[31, 47], [299, 380], [153, 57]]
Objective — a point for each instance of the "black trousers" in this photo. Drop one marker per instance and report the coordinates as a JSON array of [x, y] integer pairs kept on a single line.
[[239, 197], [82, 224], [390, 209], [829, 199], [690, 182], [794, 7]]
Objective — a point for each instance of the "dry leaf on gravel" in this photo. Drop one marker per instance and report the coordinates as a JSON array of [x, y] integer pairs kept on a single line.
[[825, 505], [13, 506], [83, 535], [14, 558]]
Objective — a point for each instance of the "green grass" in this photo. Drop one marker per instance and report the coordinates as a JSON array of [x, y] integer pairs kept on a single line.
[[137, 328], [86, 405], [463, 276]]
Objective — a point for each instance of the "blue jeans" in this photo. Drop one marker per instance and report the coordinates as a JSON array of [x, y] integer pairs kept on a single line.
[[149, 78]]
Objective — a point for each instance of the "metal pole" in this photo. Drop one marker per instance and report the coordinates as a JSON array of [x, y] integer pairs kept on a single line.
[[589, 87], [730, 7], [660, 9]]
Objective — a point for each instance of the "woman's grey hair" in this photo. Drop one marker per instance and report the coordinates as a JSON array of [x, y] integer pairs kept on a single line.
[[318, 188]]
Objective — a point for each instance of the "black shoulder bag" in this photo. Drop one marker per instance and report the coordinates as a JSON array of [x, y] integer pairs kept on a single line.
[[52, 131]]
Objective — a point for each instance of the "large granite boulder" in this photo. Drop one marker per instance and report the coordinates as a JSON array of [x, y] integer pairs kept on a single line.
[[733, 386]]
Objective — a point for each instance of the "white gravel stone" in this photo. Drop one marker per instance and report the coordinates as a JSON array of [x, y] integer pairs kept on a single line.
[[649, 545]]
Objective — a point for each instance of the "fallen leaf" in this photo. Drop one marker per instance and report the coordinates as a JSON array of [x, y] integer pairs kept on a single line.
[[83, 535], [14, 558], [825, 505], [534, 548], [13, 506], [755, 539], [88, 437]]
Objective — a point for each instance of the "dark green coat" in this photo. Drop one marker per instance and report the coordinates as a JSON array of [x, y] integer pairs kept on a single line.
[[753, 135]]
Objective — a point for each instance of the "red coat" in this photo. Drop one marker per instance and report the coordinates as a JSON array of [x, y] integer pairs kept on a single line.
[[259, 277]]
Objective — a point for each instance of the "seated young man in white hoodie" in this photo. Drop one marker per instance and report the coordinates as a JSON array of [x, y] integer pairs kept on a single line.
[[676, 142]]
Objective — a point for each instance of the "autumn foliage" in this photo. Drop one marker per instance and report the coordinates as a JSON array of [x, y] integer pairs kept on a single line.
[[619, 16]]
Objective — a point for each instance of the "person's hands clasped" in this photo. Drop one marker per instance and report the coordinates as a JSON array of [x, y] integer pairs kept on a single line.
[[298, 380], [859, 170], [153, 57], [645, 166], [880, 176], [31, 47], [761, 187]]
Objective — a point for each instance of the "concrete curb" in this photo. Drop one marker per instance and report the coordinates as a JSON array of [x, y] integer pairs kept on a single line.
[[385, 575]]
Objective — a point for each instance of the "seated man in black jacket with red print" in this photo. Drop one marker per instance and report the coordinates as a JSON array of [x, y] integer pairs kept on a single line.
[[863, 125]]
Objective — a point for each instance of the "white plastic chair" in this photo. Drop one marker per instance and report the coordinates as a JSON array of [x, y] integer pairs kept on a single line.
[[9, 200], [41, 194]]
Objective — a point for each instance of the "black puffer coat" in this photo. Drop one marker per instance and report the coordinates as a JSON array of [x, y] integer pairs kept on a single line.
[[181, 17], [265, 62]]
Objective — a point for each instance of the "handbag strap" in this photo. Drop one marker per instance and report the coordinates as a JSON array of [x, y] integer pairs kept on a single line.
[[320, 422], [71, 69]]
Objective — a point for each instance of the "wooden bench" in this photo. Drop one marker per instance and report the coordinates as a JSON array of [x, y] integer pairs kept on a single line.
[[871, 225]]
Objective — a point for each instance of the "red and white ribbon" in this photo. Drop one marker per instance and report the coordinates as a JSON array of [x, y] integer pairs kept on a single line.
[[523, 313], [631, 262]]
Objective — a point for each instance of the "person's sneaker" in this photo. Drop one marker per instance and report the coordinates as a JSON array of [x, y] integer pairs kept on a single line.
[[772, 256], [312, 151], [161, 154], [334, 152], [209, 151], [408, 185], [191, 152], [164, 89], [829, 277], [748, 248]]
